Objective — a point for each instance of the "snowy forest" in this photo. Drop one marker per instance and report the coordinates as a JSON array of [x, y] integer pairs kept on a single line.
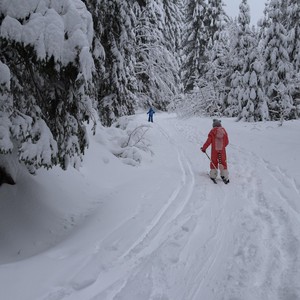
[[66, 63]]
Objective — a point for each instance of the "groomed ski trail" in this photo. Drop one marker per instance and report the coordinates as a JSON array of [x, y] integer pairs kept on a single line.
[[207, 241], [263, 261]]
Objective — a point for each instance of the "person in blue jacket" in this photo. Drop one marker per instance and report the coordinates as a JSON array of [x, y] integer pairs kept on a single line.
[[151, 112]]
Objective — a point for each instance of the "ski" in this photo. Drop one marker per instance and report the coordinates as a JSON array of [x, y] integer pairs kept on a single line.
[[213, 180], [226, 181]]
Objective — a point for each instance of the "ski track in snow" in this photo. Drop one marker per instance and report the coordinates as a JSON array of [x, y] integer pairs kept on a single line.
[[207, 242], [265, 263]]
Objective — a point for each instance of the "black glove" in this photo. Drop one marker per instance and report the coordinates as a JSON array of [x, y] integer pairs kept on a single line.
[[202, 150]]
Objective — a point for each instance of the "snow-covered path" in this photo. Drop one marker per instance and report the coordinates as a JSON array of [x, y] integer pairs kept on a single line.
[[168, 233]]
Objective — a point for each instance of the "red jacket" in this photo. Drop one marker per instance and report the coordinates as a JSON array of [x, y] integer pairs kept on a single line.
[[218, 139]]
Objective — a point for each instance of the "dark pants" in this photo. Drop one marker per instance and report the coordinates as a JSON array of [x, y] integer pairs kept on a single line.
[[150, 119]]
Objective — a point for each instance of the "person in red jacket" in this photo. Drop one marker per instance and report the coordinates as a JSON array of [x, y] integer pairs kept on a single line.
[[218, 139]]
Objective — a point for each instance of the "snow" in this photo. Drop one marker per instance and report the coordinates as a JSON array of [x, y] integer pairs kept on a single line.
[[160, 229], [61, 29], [4, 75], [39, 151]]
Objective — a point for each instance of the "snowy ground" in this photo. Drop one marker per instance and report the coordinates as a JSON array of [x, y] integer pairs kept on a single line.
[[161, 230]]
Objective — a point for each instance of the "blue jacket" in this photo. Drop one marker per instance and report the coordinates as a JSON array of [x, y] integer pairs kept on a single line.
[[151, 112]]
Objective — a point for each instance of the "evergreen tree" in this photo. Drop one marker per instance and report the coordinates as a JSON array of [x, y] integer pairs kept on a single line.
[[278, 68], [156, 66], [173, 26], [46, 79], [238, 95], [172, 30], [98, 15], [215, 19], [116, 91], [213, 80], [293, 29], [250, 91], [294, 17], [254, 105], [218, 72], [195, 40]]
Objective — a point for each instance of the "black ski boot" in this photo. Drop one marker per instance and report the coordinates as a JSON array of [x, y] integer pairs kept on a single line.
[[226, 181]]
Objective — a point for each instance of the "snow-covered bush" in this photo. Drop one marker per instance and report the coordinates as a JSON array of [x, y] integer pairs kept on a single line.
[[199, 102], [130, 141], [188, 105]]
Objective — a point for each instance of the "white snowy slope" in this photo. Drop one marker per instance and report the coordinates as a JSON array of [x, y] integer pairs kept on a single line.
[[161, 230]]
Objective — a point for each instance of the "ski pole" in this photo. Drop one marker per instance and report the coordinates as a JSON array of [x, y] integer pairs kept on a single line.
[[211, 161]]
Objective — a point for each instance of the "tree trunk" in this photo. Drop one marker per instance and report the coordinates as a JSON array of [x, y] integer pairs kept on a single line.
[[5, 177]]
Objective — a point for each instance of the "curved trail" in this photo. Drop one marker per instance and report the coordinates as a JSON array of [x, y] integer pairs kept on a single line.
[[264, 261], [210, 242]]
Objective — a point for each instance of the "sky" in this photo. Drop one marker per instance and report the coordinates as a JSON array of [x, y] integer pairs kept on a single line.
[[256, 9]]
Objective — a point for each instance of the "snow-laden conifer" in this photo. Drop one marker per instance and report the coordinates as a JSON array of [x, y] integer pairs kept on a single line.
[[213, 79], [194, 43], [251, 95], [215, 18], [116, 90], [254, 105], [173, 26], [156, 66], [278, 67], [238, 95], [218, 70], [46, 71], [292, 24]]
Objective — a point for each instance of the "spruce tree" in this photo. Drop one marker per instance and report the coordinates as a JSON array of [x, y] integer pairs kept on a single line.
[[98, 15], [254, 104], [293, 30], [156, 66], [195, 40], [45, 94], [215, 18], [215, 58], [116, 91], [238, 95], [173, 26], [278, 67], [251, 97], [219, 69]]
